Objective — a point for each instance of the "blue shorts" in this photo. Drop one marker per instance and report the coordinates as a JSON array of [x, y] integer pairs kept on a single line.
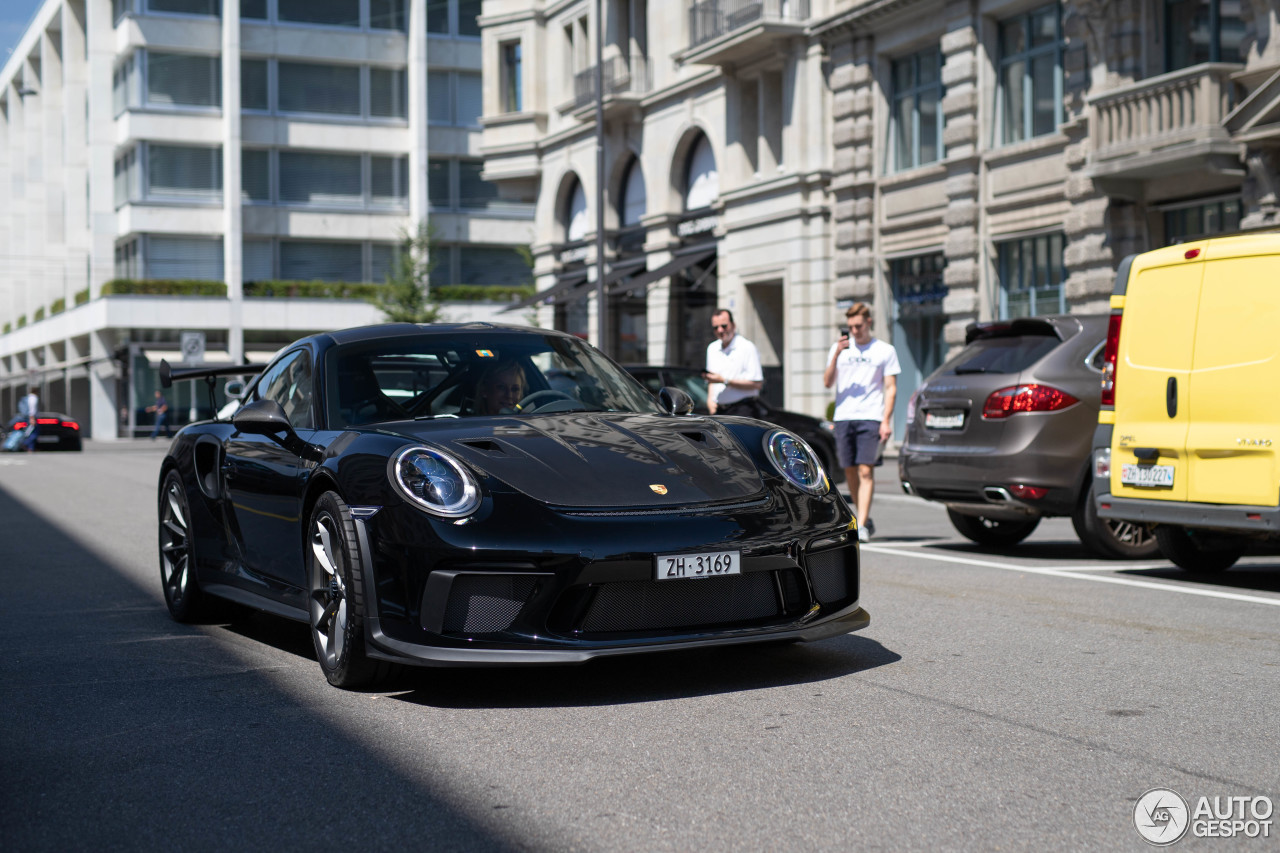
[[858, 443]]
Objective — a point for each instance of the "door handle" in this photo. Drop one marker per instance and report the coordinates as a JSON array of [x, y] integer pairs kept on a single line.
[[1171, 396]]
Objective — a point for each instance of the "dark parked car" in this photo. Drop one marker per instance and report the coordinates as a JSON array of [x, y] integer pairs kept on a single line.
[[1001, 434], [56, 431], [817, 432], [363, 489]]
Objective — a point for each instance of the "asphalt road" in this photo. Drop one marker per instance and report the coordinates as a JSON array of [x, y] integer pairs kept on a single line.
[[1011, 700]]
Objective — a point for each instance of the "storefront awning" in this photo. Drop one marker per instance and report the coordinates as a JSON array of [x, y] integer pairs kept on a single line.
[[567, 282], [671, 267]]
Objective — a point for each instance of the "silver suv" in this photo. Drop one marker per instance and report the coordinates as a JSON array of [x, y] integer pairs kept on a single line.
[[1002, 434]]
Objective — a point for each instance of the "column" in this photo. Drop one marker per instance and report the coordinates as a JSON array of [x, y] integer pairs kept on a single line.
[[232, 206], [961, 133]]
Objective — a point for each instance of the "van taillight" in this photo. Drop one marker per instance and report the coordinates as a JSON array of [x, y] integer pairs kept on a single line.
[[1025, 398], [1109, 354]]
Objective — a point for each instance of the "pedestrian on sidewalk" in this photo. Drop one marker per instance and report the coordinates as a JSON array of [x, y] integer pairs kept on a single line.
[[161, 409], [864, 371], [733, 373]]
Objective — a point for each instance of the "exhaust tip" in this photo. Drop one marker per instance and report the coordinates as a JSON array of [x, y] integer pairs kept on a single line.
[[997, 494]]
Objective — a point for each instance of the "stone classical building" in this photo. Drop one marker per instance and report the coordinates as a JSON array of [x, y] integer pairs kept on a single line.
[[716, 164], [342, 124], [998, 158]]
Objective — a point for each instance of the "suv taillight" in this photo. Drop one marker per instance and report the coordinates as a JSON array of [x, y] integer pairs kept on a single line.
[[1109, 354], [1025, 398]]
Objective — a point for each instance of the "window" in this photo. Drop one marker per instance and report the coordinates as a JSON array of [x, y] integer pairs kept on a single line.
[[470, 105], [327, 179], [438, 185], [181, 79], [186, 7], [453, 17], [634, 197], [389, 181], [473, 192], [1198, 31], [184, 172], [1031, 74], [127, 187], [454, 97], [313, 261], [253, 9], [1031, 275], [119, 8], [255, 175], [257, 260], [289, 384], [917, 282], [438, 17], [512, 82], [492, 265], [388, 93], [916, 120], [468, 13], [253, 84], [310, 88], [388, 15], [336, 13], [702, 181], [184, 258], [382, 258], [127, 265], [1201, 219], [439, 101], [125, 86]]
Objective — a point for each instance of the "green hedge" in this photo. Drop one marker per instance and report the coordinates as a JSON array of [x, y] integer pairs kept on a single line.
[[310, 289], [8, 327], [164, 287], [38, 315], [22, 321], [82, 296], [59, 305], [483, 292]]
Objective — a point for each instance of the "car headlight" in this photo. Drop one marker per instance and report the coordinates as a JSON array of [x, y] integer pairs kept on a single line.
[[435, 481], [796, 461]]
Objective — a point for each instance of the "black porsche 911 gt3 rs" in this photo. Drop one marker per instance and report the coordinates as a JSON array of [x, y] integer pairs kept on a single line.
[[479, 494]]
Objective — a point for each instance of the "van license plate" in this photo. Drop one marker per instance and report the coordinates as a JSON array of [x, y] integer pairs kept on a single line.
[[1149, 476], [943, 420], [669, 567]]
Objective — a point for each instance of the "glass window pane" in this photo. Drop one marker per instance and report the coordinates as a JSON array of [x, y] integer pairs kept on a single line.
[[308, 88], [1044, 26], [256, 260], [388, 180], [320, 178], [1044, 114], [1013, 37], [470, 99], [439, 105], [927, 62], [253, 9], [311, 261], [501, 266], [468, 12], [338, 13], [1012, 86], [512, 78], [388, 97], [253, 84], [176, 170], [382, 257], [438, 183], [186, 7], [903, 136], [388, 15], [1230, 216], [1187, 32], [438, 16], [1230, 32], [903, 75], [184, 257], [442, 271], [184, 79], [930, 139], [472, 191], [255, 174]]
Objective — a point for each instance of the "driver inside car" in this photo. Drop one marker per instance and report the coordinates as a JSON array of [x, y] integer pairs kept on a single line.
[[500, 389]]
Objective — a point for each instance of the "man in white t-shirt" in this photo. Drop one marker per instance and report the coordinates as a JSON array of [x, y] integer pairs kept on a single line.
[[864, 371], [733, 372]]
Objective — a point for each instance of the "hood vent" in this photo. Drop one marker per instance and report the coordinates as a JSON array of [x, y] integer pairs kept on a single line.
[[703, 439], [484, 445]]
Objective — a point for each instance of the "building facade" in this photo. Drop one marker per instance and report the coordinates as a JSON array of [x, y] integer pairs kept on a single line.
[[947, 160], [344, 123]]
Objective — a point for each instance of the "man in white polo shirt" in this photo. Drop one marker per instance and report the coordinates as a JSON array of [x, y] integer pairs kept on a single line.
[[733, 371], [865, 372]]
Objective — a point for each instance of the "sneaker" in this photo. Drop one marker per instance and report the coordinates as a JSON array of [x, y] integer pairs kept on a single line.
[[871, 527], [863, 535]]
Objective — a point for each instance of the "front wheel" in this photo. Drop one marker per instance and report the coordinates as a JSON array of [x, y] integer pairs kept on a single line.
[[1111, 537], [994, 532], [1199, 550], [336, 596], [177, 555]]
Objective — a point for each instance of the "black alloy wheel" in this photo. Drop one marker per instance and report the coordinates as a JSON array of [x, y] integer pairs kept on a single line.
[[1111, 537], [336, 596], [992, 532], [177, 557], [1199, 550]]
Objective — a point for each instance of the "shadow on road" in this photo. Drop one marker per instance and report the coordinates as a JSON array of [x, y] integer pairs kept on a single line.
[[1260, 577]]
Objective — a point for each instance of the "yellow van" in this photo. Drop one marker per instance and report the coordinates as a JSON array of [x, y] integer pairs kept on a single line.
[[1189, 429]]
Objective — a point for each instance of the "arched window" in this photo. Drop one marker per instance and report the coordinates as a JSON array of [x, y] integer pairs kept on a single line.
[[575, 216], [702, 182], [633, 201]]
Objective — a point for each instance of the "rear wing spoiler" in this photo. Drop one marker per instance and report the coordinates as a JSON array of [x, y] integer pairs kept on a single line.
[[209, 374]]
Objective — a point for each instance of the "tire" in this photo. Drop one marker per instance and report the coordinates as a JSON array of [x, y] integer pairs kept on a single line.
[[336, 596], [996, 533], [182, 593], [1110, 537], [1198, 550]]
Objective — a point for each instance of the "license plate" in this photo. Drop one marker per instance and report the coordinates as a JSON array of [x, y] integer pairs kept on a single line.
[[669, 567], [943, 420], [47, 439], [1150, 476]]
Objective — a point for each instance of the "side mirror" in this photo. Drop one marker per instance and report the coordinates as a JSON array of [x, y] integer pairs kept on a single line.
[[674, 401], [234, 388], [266, 417]]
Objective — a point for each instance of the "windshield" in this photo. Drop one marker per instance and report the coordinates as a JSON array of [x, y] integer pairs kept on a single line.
[[476, 374]]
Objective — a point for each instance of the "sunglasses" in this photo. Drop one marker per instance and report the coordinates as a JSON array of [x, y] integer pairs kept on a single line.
[[719, 326]]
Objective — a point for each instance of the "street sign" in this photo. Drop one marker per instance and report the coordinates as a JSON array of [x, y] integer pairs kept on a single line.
[[192, 347]]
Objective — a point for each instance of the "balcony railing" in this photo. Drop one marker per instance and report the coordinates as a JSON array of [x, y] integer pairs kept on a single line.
[[711, 19], [1178, 108], [623, 76]]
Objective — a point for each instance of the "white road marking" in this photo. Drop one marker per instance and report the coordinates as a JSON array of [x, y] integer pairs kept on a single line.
[[1062, 573]]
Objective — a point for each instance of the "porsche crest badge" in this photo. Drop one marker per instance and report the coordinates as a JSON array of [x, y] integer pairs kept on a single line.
[[658, 488]]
